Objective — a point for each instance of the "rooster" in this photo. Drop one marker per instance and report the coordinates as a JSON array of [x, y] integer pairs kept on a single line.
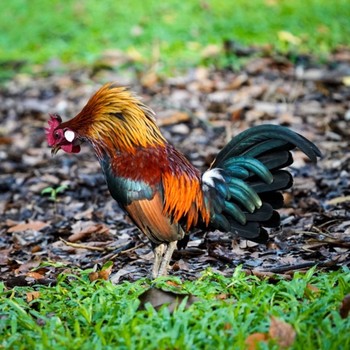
[[162, 192]]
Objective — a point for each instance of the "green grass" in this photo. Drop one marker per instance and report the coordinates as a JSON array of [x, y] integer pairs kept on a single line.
[[79, 31], [77, 314]]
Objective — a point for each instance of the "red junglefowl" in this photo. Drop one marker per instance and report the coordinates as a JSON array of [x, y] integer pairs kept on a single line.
[[162, 192]]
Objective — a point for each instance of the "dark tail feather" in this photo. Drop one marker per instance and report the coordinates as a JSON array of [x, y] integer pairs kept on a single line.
[[264, 139], [282, 180], [276, 160], [275, 199], [241, 188], [249, 230]]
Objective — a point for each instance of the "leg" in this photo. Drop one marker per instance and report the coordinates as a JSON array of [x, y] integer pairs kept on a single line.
[[158, 256], [163, 270]]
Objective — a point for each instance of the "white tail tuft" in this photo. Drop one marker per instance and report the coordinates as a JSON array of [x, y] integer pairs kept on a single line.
[[209, 175]]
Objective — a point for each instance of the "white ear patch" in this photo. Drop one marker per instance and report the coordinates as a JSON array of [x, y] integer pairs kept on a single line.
[[69, 135]]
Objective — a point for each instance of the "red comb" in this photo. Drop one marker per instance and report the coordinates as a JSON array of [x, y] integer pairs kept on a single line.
[[54, 122]]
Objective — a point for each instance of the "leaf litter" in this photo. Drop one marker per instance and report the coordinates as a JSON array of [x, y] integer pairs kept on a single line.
[[198, 112]]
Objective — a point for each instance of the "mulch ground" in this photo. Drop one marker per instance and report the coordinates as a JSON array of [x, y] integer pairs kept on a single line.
[[198, 112]]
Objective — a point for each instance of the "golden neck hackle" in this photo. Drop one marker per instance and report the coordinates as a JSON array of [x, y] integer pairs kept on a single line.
[[115, 120]]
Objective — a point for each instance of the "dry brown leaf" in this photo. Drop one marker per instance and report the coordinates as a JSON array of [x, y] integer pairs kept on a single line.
[[281, 332], [86, 214], [174, 117], [31, 225], [254, 339], [149, 79], [101, 275], [238, 81], [35, 249], [227, 326], [27, 267], [93, 276], [32, 296], [4, 256], [104, 274], [173, 284], [5, 140], [10, 223], [181, 265], [345, 307], [312, 289], [157, 298], [82, 229], [222, 296], [35, 275]]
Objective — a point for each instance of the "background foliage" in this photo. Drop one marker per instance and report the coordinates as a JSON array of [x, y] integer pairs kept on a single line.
[[170, 32]]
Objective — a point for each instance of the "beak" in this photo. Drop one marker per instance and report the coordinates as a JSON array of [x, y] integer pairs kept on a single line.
[[55, 149]]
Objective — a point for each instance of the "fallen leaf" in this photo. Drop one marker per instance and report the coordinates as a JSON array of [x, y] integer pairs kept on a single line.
[[173, 117], [4, 256], [10, 223], [238, 81], [180, 265], [222, 296], [254, 339], [103, 274], [173, 284], [31, 225], [227, 326], [157, 298], [115, 278], [35, 249], [93, 276], [149, 79], [27, 267], [281, 332], [5, 140], [35, 275], [32, 296], [345, 307], [311, 290], [81, 229]]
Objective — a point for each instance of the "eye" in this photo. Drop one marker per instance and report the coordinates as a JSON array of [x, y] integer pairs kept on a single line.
[[69, 135], [56, 134]]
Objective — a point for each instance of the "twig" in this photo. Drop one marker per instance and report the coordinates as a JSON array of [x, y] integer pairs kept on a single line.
[[311, 233], [286, 268], [327, 223], [82, 246], [127, 250], [319, 243], [271, 276]]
